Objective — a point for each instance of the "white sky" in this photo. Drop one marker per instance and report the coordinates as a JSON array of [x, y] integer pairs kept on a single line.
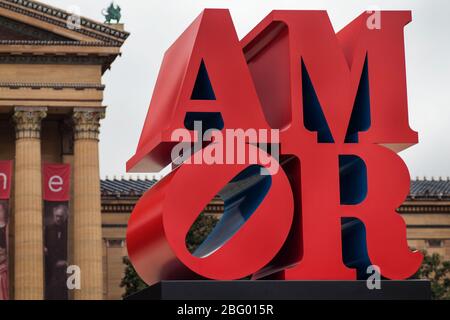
[[155, 24]]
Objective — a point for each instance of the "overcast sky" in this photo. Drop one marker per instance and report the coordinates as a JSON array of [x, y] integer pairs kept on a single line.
[[155, 24]]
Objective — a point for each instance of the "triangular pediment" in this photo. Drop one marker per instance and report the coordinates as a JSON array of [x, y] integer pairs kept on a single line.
[[26, 20], [13, 30]]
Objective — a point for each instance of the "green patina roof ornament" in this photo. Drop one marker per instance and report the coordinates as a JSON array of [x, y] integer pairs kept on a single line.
[[112, 13]]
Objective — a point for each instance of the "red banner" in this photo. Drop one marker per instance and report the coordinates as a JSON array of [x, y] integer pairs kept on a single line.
[[5, 191], [56, 179], [5, 179], [56, 186]]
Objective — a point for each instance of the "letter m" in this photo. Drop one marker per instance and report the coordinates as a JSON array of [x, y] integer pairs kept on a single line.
[[288, 43]]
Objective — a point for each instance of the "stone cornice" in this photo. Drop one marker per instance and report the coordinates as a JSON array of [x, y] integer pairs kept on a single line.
[[420, 209], [126, 207], [218, 208], [29, 31], [428, 198], [105, 61], [56, 86], [57, 43], [28, 121], [59, 17], [87, 123], [117, 208]]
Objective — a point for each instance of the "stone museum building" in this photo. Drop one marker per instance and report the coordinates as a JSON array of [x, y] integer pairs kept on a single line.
[[51, 104], [51, 93]]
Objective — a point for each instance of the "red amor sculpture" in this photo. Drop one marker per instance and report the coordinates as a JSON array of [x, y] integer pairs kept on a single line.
[[339, 101]]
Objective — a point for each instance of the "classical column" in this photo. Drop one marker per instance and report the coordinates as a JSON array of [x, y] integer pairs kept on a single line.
[[28, 239], [87, 226]]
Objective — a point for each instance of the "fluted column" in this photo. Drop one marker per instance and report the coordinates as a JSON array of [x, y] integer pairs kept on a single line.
[[87, 228], [28, 239]]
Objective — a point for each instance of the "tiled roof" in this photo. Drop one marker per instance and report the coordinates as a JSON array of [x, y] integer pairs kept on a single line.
[[125, 187], [435, 188], [439, 188]]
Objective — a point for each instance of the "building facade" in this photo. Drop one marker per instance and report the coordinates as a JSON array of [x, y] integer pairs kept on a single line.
[[51, 93]]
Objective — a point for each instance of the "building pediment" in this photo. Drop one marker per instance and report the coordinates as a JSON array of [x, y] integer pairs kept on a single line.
[[32, 32], [14, 31], [32, 21]]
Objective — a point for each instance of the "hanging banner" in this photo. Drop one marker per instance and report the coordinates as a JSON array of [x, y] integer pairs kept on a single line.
[[56, 182], [56, 187], [5, 191]]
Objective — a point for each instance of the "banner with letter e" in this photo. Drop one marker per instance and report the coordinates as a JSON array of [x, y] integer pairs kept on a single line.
[[56, 189]]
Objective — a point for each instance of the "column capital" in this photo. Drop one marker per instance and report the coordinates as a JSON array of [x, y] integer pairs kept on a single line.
[[28, 121], [87, 122]]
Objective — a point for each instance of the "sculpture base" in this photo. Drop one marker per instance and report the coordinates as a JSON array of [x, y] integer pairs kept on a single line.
[[284, 290]]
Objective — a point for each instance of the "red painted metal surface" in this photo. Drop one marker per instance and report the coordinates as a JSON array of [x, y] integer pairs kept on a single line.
[[258, 83]]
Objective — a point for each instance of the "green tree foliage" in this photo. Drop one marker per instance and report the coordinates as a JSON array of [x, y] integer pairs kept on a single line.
[[131, 281], [201, 228], [435, 269]]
